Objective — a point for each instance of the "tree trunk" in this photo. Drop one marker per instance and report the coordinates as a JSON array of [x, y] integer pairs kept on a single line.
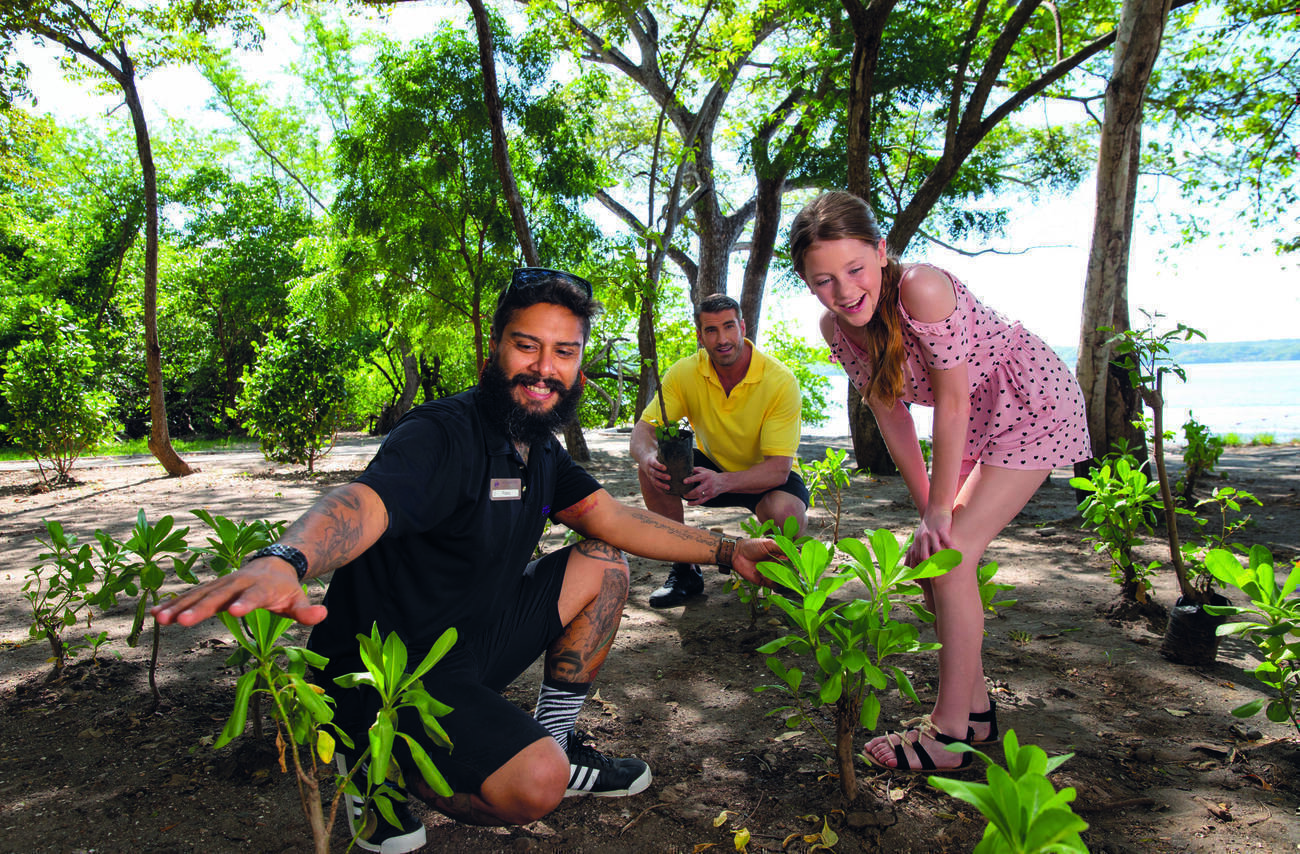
[[647, 347], [410, 385], [868, 445], [846, 726], [767, 223], [868, 30], [500, 151], [1111, 404], [574, 441], [160, 443]]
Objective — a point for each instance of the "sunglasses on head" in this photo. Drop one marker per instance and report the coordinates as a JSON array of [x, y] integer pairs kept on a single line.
[[524, 278]]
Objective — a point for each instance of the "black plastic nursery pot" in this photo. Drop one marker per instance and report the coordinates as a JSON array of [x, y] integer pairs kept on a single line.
[[1190, 635], [678, 456]]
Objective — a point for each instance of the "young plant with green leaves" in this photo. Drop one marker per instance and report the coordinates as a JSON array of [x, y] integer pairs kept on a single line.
[[990, 589], [1026, 814], [304, 714], [1144, 354], [826, 480], [57, 590], [235, 540], [1228, 501], [1272, 623], [148, 546], [1201, 452], [757, 597], [1120, 507], [845, 645], [667, 432]]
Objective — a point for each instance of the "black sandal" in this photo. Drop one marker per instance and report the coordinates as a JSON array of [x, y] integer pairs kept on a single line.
[[989, 717], [928, 729]]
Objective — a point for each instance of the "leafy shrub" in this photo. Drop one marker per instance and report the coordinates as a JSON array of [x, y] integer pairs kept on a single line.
[[1227, 499], [785, 343], [57, 596], [293, 397], [844, 646], [304, 716], [826, 480], [1272, 623], [1121, 508], [1201, 454], [56, 409], [1026, 814]]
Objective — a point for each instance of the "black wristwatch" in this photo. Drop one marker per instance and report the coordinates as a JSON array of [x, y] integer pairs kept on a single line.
[[296, 559]]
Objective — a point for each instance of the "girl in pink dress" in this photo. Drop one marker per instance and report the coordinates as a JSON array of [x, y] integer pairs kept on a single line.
[[1006, 412]]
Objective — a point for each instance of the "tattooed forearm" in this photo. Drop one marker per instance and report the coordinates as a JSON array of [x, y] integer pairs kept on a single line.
[[678, 532]]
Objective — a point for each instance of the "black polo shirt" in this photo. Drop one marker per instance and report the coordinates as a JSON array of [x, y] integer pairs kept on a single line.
[[464, 518]]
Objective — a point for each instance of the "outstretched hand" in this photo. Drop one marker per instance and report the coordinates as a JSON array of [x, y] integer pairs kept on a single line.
[[268, 583], [749, 553]]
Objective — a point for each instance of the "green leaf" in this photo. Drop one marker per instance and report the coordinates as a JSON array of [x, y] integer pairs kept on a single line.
[[239, 716], [440, 648], [870, 714], [381, 735], [832, 689], [1053, 826], [432, 776], [314, 703]]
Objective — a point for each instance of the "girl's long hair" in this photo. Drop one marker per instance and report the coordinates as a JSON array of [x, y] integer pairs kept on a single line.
[[837, 215]]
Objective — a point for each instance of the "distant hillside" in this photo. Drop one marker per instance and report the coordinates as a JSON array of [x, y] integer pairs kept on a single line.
[[1193, 352]]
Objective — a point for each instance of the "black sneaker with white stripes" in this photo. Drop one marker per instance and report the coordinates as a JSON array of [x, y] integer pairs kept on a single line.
[[373, 832], [593, 773]]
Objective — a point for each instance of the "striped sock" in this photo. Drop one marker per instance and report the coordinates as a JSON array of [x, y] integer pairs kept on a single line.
[[558, 704]]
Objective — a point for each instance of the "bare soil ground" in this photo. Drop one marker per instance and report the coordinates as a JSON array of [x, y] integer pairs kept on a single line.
[[87, 763]]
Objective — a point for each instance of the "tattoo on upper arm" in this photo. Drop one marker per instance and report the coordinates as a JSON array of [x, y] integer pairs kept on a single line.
[[574, 512], [340, 516]]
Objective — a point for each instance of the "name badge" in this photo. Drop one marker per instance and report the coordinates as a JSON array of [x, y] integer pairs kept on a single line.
[[505, 488]]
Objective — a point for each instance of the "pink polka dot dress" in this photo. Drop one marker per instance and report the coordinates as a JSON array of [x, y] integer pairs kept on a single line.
[[1026, 409]]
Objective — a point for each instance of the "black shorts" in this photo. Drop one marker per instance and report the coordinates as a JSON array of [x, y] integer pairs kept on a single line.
[[749, 500], [486, 729]]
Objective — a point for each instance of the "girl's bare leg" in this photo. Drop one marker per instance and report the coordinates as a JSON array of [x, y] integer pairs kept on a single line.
[[988, 500]]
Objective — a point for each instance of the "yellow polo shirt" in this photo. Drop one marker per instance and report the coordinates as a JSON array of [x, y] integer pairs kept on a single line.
[[760, 418]]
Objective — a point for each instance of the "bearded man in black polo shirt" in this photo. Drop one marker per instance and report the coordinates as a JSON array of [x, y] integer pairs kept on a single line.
[[439, 531]]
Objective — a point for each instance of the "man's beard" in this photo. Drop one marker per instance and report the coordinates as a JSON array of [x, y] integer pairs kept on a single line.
[[521, 424]]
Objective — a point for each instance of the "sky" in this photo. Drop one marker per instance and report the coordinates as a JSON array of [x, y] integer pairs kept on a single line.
[[1236, 290]]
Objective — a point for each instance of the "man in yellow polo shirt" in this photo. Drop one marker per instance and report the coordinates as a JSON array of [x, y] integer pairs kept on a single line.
[[744, 407]]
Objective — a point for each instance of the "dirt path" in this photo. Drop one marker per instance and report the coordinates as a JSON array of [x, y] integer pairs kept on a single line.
[[1159, 764]]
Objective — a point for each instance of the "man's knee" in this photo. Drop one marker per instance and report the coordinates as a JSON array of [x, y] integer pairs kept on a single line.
[[779, 506], [603, 555], [530, 786]]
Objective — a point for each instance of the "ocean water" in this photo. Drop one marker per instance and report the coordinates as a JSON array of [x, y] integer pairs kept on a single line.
[[1245, 398]]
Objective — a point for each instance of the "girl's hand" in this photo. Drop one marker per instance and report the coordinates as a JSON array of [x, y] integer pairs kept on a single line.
[[933, 535]]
